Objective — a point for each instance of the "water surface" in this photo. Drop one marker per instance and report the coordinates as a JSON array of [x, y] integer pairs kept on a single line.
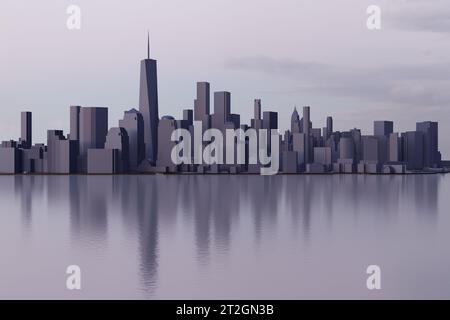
[[237, 237]]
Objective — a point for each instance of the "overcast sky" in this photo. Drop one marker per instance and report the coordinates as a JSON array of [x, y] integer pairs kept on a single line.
[[286, 52]]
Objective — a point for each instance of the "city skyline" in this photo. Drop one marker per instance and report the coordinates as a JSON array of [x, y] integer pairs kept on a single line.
[[93, 147], [208, 149], [287, 53]]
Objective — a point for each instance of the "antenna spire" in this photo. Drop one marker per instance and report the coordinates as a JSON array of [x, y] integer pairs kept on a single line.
[[148, 44]]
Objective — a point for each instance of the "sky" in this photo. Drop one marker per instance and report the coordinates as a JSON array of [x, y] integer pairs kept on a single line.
[[289, 53]]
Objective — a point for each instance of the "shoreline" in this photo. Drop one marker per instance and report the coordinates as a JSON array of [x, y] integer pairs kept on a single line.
[[445, 171]]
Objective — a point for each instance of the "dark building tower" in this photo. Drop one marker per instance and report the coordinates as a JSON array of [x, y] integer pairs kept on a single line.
[[222, 109], [431, 155], [74, 134], [270, 120], [202, 103], [383, 128], [61, 153], [148, 105], [257, 109], [413, 149], [356, 135], [93, 130], [256, 122], [329, 127], [133, 123], [295, 122], [74, 123], [306, 121], [188, 117], [307, 132], [394, 148], [166, 126], [26, 137], [117, 139]]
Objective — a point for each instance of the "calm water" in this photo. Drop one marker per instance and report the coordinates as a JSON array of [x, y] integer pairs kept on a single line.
[[170, 237]]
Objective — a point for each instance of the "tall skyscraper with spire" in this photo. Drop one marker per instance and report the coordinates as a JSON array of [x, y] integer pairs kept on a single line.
[[148, 104]]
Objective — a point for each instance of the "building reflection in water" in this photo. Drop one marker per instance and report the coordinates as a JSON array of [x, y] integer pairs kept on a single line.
[[150, 205]]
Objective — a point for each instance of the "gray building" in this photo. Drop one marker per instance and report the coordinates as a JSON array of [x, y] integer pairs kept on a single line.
[[93, 130], [188, 116], [270, 120], [10, 160], [167, 125], [117, 139], [74, 134], [103, 161], [395, 147], [33, 159], [148, 105], [346, 148], [256, 122], [413, 142], [431, 155], [202, 102], [74, 123], [356, 135], [295, 122], [222, 109], [316, 135], [322, 155], [26, 130], [370, 151], [61, 153], [329, 128], [298, 145], [306, 120], [133, 123], [289, 162], [307, 131], [383, 128]]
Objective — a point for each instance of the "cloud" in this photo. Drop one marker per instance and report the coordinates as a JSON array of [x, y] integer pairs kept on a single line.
[[414, 85], [283, 67], [419, 15]]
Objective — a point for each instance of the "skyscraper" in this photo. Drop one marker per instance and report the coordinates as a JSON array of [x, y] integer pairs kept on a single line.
[[222, 109], [270, 120], [117, 139], [413, 149], [93, 130], [256, 122], [307, 132], [74, 134], [430, 140], [370, 149], [295, 122], [257, 109], [346, 148], [133, 123], [148, 105], [74, 123], [306, 121], [383, 128], [61, 153], [329, 127], [188, 117], [166, 126], [202, 103], [26, 135], [394, 150]]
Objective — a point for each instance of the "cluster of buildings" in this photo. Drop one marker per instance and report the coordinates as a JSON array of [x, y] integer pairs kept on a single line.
[[316, 150], [142, 140]]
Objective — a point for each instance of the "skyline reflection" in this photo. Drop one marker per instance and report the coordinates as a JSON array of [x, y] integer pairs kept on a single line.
[[215, 209]]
